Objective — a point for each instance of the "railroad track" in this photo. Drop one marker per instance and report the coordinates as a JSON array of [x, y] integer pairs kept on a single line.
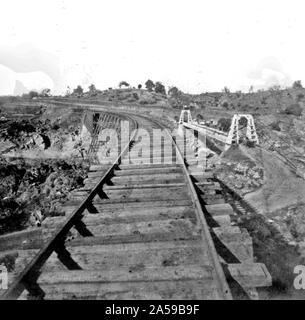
[[137, 231]]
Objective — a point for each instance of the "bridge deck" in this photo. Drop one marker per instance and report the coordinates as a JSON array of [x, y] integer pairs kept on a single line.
[[213, 133]]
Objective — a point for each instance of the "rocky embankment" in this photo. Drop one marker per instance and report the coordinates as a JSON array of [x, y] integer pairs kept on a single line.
[[239, 171], [40, 138], [35, 189], [42, 159], [277, 234]]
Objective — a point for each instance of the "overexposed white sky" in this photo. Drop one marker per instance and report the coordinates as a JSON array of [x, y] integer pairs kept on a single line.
[[197, 45]]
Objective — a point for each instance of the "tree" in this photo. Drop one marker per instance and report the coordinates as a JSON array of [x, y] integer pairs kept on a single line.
[[224, 124], [33, 94], [199, 117], [123, 84], [226, 90], [159, 88], [297, 85], [243, 122], [173, 92], [78, 90], [92, 90], [149, 85], [225, 104], [139, 86], [45, 92]]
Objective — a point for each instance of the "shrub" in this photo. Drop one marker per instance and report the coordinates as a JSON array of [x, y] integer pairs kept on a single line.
[[199, 117], [275, 126], [297, 85], [300, 96], [249, 144], [225, 104], [224, 124], [294, 109], [142, 101], [238, 94], [147, 101], [33, 94]]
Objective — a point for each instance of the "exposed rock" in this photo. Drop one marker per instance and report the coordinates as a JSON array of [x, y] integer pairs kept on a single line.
[[243, 175], [38, 141], [36, 189]]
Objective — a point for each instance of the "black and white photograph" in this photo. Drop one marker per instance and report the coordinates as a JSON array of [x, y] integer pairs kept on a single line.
[[152, 150]]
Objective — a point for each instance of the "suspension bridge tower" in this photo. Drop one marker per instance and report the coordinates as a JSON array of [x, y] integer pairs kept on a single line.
[[185, 112], [233, 136]]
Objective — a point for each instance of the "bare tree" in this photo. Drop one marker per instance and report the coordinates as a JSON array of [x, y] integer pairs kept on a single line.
[[226, 90]]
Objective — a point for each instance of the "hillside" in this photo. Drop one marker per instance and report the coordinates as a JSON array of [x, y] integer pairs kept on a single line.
[[280, 129], [132, 96]]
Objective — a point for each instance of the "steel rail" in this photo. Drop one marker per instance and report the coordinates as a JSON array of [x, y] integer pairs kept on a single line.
[[206, 236], [27, 280], [205, 232], [29, 276]]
